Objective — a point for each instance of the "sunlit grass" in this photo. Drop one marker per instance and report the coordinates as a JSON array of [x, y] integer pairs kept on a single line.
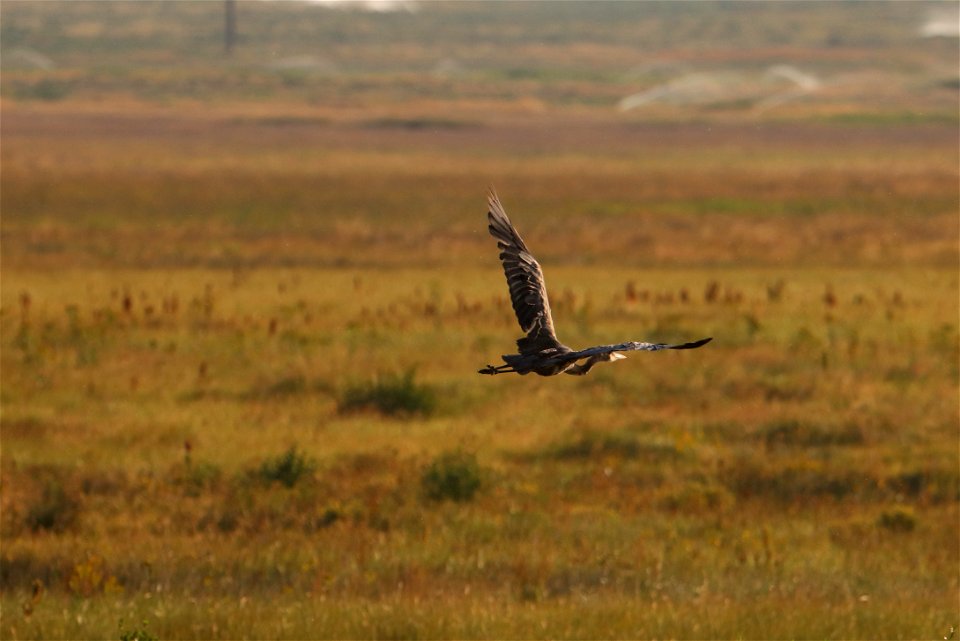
[[778, 466], [240, 394]]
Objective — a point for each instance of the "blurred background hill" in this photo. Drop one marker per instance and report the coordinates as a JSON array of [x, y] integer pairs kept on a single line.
[[873, 57]]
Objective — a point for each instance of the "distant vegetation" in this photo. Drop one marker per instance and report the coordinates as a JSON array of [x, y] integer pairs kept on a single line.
[[874, 57]]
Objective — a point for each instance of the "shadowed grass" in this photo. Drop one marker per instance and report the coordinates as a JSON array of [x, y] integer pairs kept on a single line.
[[452, 476], [391, 395]]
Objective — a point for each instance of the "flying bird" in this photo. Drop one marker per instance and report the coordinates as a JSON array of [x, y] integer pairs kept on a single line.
[[540, 351]]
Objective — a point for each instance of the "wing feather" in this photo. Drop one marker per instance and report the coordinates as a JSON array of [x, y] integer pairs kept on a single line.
[[528, 290], [634, 346]]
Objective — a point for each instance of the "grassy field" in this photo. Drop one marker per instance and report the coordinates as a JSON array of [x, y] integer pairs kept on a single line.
[[241, 312]]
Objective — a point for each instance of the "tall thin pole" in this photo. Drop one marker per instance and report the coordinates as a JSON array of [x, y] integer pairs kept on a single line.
[[229, 26]]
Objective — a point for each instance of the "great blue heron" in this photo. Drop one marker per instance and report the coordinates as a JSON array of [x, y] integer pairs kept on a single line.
[[540, 351]]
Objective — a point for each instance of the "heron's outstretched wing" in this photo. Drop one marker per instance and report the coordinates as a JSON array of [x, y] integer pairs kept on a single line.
[[528, 292], [633, 346]]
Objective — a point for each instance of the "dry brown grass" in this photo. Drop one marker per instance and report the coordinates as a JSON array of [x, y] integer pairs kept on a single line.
[[201, 192]]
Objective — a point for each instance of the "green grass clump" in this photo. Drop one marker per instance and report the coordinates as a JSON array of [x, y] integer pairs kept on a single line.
[[934, 483], [55, 510], [593, 443], [808, 434], [287, 468], [898, 519], [697, 496], [391, 394], [136, 633], [199, 477], [286, 387], [454, 476]]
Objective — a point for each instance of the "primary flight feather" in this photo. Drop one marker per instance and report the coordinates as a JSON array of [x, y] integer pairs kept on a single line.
[[539, 350]]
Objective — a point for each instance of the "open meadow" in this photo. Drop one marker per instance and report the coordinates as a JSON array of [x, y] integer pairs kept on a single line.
[[240, 329]]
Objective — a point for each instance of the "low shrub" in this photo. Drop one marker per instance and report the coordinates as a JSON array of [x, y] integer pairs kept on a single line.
[[454, 476], [392, 394], [136, 632], [279, 389], [56, 509], [287, 468], [898, 519]]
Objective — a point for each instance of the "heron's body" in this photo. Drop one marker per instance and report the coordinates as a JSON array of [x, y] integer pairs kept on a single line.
[[539, 350]]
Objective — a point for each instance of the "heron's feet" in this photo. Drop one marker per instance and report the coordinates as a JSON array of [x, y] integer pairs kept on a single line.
[[489, 369]]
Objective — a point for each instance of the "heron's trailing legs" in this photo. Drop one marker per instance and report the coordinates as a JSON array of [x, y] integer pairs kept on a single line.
[[493, 369]]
